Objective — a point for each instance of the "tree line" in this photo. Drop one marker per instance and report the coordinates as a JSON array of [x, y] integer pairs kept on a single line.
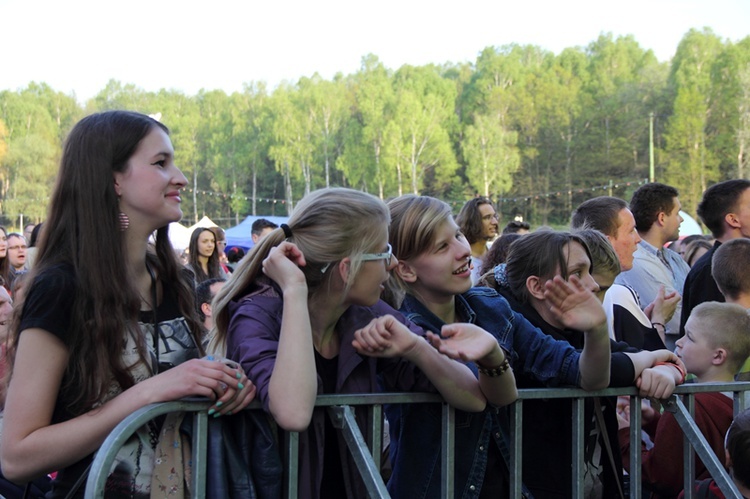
[[538, 132]]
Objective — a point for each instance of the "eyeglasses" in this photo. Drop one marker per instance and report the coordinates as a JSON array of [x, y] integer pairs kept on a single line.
[[366, 257]]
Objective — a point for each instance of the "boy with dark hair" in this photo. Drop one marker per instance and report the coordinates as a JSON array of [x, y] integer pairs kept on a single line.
[[656, 210]]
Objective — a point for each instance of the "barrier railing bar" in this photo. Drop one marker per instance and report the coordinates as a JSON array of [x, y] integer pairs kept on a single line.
[[684, 416], [635, 447], [292, 464], [516, 450], [376, 434], [103, 461], [344, 420], [578, 435], [104, 458], [200, 448], [446, 456]]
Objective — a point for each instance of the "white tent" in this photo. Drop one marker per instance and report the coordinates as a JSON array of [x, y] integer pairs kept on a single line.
[[203, 222], [689, 225], [179, 235]]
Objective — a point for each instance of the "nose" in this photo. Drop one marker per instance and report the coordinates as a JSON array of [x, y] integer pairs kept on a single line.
[[180, 180], [589, 282]]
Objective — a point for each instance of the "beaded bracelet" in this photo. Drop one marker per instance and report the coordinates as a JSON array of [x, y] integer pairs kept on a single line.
[[495, 371], [676, 366]]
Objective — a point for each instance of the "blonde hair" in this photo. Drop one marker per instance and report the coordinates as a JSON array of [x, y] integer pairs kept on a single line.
[[727, 326], [327, 225], [414, 221]]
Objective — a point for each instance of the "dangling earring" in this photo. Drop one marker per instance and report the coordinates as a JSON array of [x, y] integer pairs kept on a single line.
[[124, 221]]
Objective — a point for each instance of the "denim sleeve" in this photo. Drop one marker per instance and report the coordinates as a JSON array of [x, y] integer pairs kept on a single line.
[[540, 356]]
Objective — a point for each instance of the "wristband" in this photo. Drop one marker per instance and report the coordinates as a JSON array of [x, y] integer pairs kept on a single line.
[[659, 324], [494, 372], [683, 374]]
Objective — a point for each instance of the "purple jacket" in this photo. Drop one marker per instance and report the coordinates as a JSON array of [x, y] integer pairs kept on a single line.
[[253, 339]]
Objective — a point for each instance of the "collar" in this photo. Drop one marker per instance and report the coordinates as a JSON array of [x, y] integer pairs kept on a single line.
[[413, 309]]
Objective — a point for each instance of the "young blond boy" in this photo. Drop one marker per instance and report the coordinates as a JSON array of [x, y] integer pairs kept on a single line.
[[715, 344]]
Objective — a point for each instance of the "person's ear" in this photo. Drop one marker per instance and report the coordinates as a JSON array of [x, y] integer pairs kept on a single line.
[[720, 356], [727, 459], [118, 190], [732, 220], [206, 309], [535, 286], [344, 267], [405, 272], [661, 217]]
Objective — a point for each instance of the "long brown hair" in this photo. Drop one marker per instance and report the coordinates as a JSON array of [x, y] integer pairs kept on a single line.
[[214, 268], [83, 231]]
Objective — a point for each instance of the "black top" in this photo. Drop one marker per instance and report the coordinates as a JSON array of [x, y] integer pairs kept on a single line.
[[699, 286]]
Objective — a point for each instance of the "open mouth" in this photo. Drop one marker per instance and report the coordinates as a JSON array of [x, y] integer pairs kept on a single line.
[[462, 269]]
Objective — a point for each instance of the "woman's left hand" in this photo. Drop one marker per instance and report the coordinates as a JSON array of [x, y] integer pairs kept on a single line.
[[236, 396]]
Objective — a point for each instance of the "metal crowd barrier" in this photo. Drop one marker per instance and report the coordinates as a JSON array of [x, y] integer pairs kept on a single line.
[[367, 449]]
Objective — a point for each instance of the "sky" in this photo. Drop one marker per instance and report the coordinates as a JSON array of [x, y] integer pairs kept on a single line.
[[77, 46]]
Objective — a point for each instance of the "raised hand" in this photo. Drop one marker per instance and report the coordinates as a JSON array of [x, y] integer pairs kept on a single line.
[[663, 307], [283, 265], [574, 305]]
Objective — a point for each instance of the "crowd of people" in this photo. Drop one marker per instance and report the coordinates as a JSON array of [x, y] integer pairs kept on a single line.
[[356, 295]]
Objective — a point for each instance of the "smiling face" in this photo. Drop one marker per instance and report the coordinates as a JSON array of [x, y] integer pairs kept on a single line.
[[489, 221], [443, 270], [149, 188]]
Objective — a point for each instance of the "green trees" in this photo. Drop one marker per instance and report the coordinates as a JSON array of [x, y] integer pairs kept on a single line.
[[536, 131]]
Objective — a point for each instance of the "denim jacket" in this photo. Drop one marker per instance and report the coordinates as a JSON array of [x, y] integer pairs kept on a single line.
[[415, 429]]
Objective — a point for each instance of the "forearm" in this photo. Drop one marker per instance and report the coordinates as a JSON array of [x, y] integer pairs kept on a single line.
[[595, 359], [53, 447], [293, 385], [455, 382], [496, 379]]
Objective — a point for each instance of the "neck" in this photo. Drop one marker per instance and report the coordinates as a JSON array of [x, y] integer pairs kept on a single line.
[[715, 376], [325, 312], [479, 248], [742, 300], [654, 238], [445, 310]]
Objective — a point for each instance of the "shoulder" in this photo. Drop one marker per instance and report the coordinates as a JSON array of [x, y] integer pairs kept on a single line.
[[619, 293], [54, 284]]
